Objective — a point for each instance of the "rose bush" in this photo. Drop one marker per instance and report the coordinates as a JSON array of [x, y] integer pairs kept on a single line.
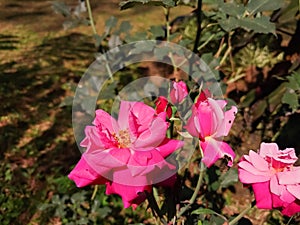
[[273, 177], [128, 155]]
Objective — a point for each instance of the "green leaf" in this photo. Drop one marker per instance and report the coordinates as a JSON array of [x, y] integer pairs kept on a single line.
[[68, 101], [229, 24], [133, 3], [232, 9], [294, 81], [78, 197], [99, 39], [258, 109], [61, 8], [229, 178], [255, 6], [211, 64], [247, 100], [290, 97], [274, 99], [169, 3], [203, 211], [139, 36], [258, 24], [104, 211], [111, 22], [125, 27], [157, 31], [142, 47], [160, 53]]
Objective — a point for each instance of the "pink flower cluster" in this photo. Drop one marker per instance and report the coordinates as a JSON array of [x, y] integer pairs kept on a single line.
[[127, 155], [273, 177]]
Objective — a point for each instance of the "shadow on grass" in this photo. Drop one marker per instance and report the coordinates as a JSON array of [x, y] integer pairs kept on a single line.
[[35, 133]]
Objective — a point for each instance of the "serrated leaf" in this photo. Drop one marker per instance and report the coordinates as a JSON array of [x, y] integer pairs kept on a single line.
[[162, 52], [99, 39], [139, 36], [291, 98], [258, 109], [203, 211], [111, 22], [229, 24], [232, 9], [169, 3], [104, 211], [78, 197], [142, 47], [258, 24], [209, 68], [275, 97], [157, 31], [229, 178], [125, 27], [68, 101], [293, 81], [255, 6], [247, 100], [132, 3], [61, 8]]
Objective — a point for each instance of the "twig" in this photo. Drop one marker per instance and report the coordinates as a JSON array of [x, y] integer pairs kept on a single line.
[[88, 5], [199, 21], [242, 214], [94, 192], [197, 189]]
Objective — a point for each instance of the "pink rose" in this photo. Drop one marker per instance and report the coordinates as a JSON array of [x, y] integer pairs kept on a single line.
[[162, 105], [210, 123], [128, 154], [274, 179], [178, 92]]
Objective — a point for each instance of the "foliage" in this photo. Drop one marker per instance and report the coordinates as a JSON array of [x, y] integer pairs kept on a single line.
[[247, 44]]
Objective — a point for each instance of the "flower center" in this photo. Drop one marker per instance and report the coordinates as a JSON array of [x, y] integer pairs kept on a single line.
[[122, 138]]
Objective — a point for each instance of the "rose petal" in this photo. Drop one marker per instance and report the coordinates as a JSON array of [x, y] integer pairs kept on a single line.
[[258, 162], [105, 120], [291, 209], [247, 177], [153, 136], [268, 149], [214, 150], [168, 146], [129, 194], [84, 175], [262, 195], [294, 190], [289, 177]]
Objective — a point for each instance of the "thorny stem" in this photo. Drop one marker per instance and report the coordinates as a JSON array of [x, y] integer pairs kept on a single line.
[[197, 189], [198, 35], [88, 5], [167, 15]]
